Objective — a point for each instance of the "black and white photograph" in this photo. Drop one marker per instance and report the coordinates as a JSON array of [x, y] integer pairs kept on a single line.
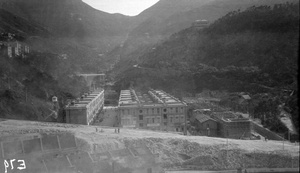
[[149, 86]]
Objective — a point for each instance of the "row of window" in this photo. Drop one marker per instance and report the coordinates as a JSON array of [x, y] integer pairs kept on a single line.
[[127, 122], [173, 119], [152, 110], [95, 105]]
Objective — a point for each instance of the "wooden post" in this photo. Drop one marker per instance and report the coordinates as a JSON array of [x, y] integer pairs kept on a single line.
[[58, 142], [22, 145], [41, 142], [185, 117], [2, 150]]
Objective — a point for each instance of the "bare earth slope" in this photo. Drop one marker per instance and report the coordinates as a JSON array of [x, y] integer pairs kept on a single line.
[[174, 151]]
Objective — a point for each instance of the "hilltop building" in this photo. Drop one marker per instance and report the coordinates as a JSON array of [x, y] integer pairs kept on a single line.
[[199, 24], [84, 111], [14, 48], [154, 110]]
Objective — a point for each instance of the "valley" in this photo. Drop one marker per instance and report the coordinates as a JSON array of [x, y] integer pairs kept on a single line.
[[168, 77]]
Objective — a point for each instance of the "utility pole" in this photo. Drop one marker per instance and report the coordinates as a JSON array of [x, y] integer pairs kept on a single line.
[[226, 146], [185, 117], [283, 142]]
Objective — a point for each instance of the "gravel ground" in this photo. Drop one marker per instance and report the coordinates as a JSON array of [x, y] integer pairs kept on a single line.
[[173, 150]]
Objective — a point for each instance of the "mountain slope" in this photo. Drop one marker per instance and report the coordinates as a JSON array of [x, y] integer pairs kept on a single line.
[[254, 51], [73, 19], [11, 23], [168, 17], [65, 37]]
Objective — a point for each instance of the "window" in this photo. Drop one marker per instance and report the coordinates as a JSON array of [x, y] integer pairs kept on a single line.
[[141, 124], [152, 110], [165, 110], [165, 116], [158, 110], [141, 111], [141, 117], [152, 120], [165, 123], [158, 119], [171, 119], [176, 110]]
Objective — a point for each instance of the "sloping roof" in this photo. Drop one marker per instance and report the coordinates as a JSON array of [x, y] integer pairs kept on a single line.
[[202, 118], [247, 97]]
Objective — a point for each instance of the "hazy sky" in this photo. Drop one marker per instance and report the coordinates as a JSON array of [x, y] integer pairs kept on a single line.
[[126, 7]]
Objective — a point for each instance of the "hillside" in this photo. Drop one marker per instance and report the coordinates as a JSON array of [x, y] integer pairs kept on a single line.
[[254, 51], [28, 84], [172, 151], [66, 27], [73, 19], [11, 23], [65, 37], [168, 17]]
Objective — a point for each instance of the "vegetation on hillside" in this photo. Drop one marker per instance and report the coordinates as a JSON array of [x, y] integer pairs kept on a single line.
[[28, 84], [254, 51]]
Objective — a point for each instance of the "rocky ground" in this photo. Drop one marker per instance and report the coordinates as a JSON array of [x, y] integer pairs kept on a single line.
[[174, 151]]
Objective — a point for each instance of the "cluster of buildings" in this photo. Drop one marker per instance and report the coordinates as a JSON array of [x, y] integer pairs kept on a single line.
[[221, 124], [14, 49], [85, 109], [155, 109], [158, 110]]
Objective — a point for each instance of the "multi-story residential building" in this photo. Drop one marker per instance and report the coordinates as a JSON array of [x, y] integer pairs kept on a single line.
[[14, 48], [85, 110], [154, 109]]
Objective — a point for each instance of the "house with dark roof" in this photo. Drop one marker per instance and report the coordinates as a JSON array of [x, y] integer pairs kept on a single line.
[[205, 125]]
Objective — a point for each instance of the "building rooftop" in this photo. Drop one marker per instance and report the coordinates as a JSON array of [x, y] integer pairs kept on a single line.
[[165, 98], [128, 98], [152, 98], [228, 117], [85, 101], [202, 118]]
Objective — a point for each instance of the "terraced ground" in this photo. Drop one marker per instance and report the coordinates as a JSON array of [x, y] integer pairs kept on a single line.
[[172, 150]]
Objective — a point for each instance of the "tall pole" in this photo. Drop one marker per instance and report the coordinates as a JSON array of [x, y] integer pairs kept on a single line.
[[226, 145], [283, 142], [185, 116]]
